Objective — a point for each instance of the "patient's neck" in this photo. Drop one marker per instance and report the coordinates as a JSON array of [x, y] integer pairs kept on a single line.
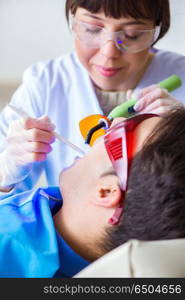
[[81, 241]]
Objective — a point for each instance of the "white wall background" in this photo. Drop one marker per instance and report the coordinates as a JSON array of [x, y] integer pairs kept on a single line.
[[33, 30], [30, 30]]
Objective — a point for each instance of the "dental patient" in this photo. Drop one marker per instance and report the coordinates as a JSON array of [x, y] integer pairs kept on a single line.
[[129, 186]]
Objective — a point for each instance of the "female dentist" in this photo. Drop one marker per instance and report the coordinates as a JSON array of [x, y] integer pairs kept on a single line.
[[113, 57]]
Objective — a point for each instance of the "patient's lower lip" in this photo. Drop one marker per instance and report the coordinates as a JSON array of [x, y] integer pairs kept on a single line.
[[107, 72], [72, 163]]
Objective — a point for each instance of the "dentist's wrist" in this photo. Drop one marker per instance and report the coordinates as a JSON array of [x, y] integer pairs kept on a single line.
[[10, 172]]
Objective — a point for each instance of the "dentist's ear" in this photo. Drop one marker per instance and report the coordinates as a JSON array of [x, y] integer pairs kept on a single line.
[[107, 192]]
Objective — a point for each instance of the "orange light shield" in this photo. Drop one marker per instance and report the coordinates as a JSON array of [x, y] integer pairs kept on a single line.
[[90, 122]]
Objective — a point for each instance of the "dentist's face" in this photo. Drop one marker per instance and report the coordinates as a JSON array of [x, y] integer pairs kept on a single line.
[[108, 67]]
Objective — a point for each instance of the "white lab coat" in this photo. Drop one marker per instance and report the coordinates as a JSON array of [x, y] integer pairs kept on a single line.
[[62, 90]]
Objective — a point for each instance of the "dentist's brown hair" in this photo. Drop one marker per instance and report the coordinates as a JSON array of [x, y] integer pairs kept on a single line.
[[157, 11]]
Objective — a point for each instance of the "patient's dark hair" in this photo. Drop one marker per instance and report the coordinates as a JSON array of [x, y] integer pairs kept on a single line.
[[154, 206], [157, 11]]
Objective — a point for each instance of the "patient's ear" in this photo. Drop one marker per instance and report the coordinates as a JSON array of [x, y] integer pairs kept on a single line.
[[107, 192]]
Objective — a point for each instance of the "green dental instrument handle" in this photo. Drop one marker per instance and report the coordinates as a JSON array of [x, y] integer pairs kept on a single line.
[[126, 109], [171, 83]]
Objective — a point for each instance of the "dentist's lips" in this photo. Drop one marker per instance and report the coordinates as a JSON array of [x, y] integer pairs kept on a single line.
[[107, 72]]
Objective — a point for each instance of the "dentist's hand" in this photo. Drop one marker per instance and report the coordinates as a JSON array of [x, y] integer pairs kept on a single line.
[[28, 141], [154, 99]]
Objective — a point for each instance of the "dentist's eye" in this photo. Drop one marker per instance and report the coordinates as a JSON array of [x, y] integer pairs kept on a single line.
[[133, 37], [93, 30]]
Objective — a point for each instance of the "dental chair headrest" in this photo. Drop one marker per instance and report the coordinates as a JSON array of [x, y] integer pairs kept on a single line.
[[157, 259]]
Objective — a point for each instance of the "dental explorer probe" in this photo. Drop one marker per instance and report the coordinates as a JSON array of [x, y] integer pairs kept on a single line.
[[22, 114]]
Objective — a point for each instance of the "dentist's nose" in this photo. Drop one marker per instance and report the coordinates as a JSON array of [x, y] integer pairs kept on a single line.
[[110, 50]]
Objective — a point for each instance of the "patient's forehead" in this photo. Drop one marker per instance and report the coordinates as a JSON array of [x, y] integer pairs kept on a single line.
[[143, 130]]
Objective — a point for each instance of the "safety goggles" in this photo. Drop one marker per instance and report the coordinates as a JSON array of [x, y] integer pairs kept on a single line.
[[129, 40], [120, 145]]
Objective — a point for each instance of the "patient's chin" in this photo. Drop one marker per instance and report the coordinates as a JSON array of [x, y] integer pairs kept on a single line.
[[70, 165], [65, 171]]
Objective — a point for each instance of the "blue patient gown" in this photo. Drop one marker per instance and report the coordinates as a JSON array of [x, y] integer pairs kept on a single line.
[[29, 243]]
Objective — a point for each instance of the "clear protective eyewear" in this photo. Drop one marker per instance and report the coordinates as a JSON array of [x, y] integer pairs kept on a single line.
[[120, 145], [129, 40]]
